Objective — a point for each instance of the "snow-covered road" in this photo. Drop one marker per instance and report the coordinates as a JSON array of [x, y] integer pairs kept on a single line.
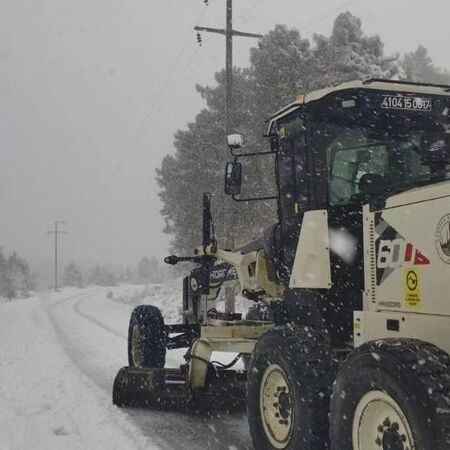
[[59, 354]]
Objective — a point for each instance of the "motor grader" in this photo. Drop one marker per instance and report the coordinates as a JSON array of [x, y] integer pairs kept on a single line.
[[354, 352]]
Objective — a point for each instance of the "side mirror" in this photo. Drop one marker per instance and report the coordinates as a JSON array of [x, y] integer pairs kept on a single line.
[[235, 141], [233, 178]]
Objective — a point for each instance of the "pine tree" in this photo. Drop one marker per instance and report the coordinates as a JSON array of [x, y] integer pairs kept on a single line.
[[418, 66], [149, 270], [283, 65], [3, 275], [16, 277], [73, 275], [348, 54], [102, 276]]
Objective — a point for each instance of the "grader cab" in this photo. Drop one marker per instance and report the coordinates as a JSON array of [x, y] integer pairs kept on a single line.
[[350, 350]]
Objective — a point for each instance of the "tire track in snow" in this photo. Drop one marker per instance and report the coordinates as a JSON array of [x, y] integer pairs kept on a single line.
[[75, 354], [77, 308], [168, 429]]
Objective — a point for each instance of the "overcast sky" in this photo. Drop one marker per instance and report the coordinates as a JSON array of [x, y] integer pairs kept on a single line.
[[91, 92]]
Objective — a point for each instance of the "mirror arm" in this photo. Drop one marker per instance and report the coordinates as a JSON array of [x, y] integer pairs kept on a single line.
[[253, 199], [242, 155]]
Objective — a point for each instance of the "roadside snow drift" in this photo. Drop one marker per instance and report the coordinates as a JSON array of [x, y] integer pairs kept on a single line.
[[59, 354], [45, 401]]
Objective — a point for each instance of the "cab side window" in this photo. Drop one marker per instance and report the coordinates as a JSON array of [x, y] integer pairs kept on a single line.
[[293, 169], [349, 159]]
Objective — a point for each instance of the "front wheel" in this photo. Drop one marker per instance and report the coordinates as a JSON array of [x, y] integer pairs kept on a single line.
[[146, 338], [391, 395], [289, 384]]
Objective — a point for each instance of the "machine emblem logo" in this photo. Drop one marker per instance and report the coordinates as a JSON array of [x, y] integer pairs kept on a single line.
[[442, 238], [394, 251]]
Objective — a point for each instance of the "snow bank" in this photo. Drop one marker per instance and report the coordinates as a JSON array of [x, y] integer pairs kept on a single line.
[[167, 297], [45, 401]]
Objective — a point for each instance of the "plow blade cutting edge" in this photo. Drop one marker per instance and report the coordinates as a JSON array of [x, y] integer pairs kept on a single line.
[[144, 387]]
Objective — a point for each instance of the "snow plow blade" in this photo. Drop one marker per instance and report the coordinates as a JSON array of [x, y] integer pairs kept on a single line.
[[144, 387]]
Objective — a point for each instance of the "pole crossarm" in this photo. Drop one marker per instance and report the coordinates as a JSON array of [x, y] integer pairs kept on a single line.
[[210, 30], [223, 32], [249, 35]]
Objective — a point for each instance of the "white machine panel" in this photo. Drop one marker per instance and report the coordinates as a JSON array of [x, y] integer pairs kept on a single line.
[[407, 253], [312, 259], [370, 326]]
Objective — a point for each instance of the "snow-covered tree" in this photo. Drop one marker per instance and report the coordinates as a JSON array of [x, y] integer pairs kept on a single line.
[[418, 66], [73, 275], [3, 274], [283, 65], [149, 270], [281, 69], [102, 276], [198, 164], [16, 278], [348, 54]]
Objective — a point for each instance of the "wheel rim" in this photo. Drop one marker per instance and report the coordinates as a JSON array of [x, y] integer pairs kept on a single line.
[[276, 406], [136, 347], [380, 424]]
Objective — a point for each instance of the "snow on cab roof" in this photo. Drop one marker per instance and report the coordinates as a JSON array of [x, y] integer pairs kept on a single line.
[[372, 84]]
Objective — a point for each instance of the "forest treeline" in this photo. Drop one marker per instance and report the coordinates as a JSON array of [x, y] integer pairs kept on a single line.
[[147, 270], [16, 278], [282, 66]]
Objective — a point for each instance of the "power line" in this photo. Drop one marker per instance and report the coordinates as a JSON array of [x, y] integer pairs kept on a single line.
[[163, 83]]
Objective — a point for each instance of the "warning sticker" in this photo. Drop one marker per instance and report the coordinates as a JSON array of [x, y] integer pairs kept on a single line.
[[413, 296]]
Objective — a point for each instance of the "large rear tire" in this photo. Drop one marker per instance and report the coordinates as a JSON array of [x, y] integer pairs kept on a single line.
[[289, 386], [146, 338], [392, 395]]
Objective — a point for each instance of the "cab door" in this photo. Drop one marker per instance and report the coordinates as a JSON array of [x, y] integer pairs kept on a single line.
[[294, 193]]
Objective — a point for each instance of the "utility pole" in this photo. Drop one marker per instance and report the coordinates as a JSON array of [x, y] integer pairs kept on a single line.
[[229, 66], [56, 232], [229, 33]]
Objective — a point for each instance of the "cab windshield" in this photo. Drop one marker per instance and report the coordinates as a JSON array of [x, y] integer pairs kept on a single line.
[[359, 154]]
